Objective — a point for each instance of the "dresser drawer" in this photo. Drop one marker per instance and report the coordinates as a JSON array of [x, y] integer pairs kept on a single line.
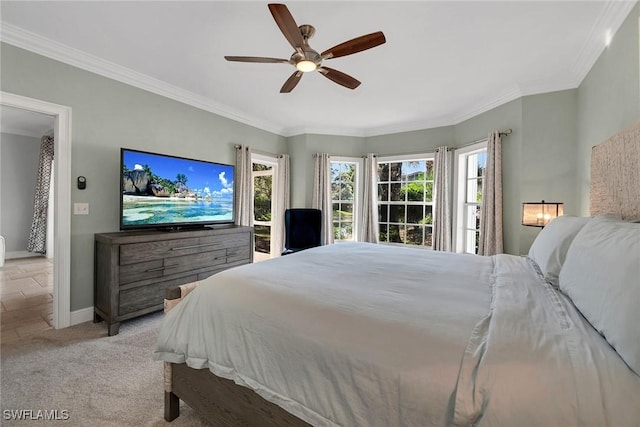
[[139, 298], [139, 252]]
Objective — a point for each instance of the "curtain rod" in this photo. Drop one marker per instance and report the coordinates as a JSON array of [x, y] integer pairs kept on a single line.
[[505, 132], [502, 133], [263, 153]]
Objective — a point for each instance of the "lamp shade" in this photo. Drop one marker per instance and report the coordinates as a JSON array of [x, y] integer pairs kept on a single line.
[[538, 214]]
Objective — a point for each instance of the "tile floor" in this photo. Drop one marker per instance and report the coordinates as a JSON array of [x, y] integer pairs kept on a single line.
[[26, 297]]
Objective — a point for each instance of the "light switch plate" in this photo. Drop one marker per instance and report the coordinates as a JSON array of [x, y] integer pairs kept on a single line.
[[81, 208]]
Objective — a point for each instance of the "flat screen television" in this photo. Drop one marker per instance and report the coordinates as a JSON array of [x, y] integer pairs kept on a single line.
[[168, 192]]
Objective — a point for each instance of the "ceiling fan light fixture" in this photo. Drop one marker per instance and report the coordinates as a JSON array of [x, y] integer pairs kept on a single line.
[[305, 66]]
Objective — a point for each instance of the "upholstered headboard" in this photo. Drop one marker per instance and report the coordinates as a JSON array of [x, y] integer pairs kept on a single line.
[[615, 175]]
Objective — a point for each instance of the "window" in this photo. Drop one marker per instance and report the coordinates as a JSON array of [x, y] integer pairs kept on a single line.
[[471, 166], [263, 169], [405, 200], [345, 196]]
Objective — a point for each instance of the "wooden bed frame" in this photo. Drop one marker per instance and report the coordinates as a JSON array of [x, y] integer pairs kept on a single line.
[[218, 400], [615, 173]]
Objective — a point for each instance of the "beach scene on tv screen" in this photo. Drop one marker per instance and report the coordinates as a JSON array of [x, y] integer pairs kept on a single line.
[[163, 190]]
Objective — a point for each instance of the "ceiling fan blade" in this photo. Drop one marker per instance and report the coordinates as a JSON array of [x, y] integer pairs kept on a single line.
[[291, 82], [255, 59], [339, 77], [287, 25], [355, 45]]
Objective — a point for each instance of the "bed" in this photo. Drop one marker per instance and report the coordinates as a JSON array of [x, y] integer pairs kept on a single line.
[[369, 335]]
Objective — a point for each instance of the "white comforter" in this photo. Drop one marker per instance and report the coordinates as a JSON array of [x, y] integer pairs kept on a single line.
[[370, 335]]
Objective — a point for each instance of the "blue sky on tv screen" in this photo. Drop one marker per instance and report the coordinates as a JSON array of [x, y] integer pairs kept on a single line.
[[202, 177]]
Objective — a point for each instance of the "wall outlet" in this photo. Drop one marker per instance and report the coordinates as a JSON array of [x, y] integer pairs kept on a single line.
[[81, 208]]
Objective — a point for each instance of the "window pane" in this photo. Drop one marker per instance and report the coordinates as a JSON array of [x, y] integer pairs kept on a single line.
[[414, 191], [262, 235], [383, 213], [335, 191], [346, 191], [482, 163], [428, 237], [383, 192], [335, 170], [428, 217], [261, 167], [428, 192], [383, 171], [473, 217], [415, 213], [414, 235], [472, 191], [395, 171], [343, 232], [472, 166], [383, 235], [346, 212], [397, 195], [396, 213], [394, 233], [262, 198], [479, 193], [429, 165], [336, 212]]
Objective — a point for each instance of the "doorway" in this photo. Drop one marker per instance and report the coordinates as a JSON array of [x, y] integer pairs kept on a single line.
[[62, 199]]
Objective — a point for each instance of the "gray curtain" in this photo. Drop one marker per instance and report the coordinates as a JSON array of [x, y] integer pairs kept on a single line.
[[369, 228], [442, 214], [322, 195], [491, 210], [244, 186], [38, 235], [282, 202]]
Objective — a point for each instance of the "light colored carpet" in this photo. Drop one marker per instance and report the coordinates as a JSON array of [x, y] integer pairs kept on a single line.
[[98, 380]]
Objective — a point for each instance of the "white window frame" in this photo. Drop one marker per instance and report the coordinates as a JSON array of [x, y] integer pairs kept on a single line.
[[273, 172], [357, 191], [409, 157], [460, 177]]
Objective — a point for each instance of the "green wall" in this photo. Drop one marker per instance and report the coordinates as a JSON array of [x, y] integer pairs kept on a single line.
[[546, 156], [506, 116], [19, 161], [302, 149], [107, 115], [608, 98]]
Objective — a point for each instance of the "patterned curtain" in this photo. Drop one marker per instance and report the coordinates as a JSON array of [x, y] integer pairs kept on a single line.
[[38, 235], [244, 187], [322, 195], [369, 229], [282, 202], [491, 210], [442, 214]]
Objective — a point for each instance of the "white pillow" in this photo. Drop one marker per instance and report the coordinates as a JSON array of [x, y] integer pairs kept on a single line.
[[601, 274], [550, 247]]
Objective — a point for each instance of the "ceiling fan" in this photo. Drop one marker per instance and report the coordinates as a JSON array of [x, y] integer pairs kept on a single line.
[[305, 59]]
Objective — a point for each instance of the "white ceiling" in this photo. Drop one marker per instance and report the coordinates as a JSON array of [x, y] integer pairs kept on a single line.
[[443, 62], [26, 123]]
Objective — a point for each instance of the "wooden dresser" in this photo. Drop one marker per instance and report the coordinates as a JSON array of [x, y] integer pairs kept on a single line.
[[133, 269]]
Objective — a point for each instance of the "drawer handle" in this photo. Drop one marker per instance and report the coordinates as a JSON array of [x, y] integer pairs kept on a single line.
[[160, 268], [192, 246]]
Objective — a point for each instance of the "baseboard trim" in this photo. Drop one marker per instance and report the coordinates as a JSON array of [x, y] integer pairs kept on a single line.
[[82, 315], [20, 254]]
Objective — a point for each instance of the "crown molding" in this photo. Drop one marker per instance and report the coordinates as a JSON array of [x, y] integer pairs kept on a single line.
[[27, 40], [611, 19]]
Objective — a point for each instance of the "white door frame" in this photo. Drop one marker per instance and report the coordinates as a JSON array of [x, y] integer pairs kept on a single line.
[[62, 203]]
